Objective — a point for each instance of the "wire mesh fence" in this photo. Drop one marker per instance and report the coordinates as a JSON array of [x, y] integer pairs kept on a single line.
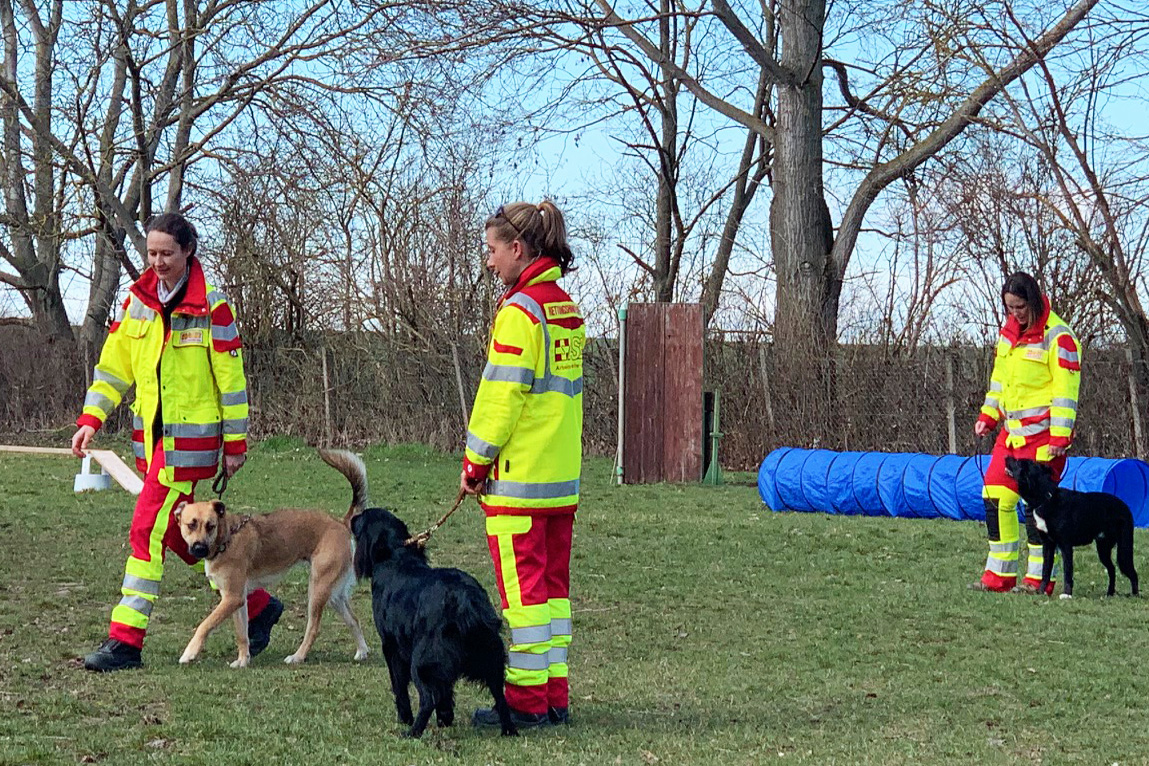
[[361, 388]]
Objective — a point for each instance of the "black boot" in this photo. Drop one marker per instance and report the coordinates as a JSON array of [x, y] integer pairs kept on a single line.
[[113, 654], [487, 716], [559, 715], [259, 627]]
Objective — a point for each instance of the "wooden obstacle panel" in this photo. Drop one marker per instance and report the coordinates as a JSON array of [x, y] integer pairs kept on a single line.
[[662, 421]]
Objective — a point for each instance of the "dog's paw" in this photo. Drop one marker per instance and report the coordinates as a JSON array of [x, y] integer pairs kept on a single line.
[[361, 655], [1065, 596], [240, 662], [294, 659], [187, 657]]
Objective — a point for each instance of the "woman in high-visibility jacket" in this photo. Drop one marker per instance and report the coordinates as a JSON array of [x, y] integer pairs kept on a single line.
[[1033, 391], [524, 454], [176, 340]]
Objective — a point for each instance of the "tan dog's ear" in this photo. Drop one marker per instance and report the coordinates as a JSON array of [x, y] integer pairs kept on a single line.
[[219, 508], [179, 508]]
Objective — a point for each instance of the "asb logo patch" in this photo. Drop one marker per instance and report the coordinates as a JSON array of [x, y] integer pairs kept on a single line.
[[568, 349]]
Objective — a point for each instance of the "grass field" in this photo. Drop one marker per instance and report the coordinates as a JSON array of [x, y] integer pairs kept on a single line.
[[708, 630]]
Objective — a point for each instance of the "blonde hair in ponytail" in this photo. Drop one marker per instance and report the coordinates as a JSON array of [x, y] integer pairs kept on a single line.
[[541, 228]]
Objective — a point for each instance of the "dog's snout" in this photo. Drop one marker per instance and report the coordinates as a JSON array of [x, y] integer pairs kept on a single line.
[[199, 550]]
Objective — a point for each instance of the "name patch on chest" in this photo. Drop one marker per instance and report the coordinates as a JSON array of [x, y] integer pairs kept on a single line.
[[1035, 354], [189, 338]]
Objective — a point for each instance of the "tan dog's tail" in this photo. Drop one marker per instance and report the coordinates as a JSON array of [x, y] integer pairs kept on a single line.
[[352, 467]]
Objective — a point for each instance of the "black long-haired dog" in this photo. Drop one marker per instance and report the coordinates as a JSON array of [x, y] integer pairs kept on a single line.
[[437, 624], [1067, 518]]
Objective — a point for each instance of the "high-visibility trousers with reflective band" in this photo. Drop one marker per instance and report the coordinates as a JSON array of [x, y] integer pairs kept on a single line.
[[1001, 498], [154, 530], [532, 554]]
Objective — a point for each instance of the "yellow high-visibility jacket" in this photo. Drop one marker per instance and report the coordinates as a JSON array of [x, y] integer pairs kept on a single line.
[[1035, 382], [525, 432], [193, 370]]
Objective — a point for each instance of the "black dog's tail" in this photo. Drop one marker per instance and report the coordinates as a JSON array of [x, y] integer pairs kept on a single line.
[[352, 467]]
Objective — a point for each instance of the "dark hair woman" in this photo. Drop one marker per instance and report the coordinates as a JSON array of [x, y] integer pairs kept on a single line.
[[1033, 391], [176, 341]]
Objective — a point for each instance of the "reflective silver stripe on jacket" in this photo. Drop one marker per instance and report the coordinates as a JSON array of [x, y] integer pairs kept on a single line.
[[1061, 422], [560, 626], [137, 423], [504, 373], [557, 655], [1031, 429], [191, 459], [215, 296], [1068, 356], [1029, 412], [480, 447], [1053, 332], [191, 430], [992, 403], [234, 426], [98, 400], [535, 634], [236, 397], [131, 582], [540, 491], [187, 322], [137, 604], [224, 332], [557, 384], [995, 386], [137, 310], [111, 380], [527, 661]]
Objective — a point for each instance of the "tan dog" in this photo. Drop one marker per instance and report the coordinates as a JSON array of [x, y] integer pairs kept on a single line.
[[249, 552]]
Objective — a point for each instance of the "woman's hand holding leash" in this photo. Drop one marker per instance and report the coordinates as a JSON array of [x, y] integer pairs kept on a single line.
[[232, 463], [470, 486]]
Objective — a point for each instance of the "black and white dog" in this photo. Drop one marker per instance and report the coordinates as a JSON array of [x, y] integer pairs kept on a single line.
[[437, 624], [1067, 518]]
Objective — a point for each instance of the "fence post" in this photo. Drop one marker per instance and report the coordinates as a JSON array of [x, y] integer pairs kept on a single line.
[[326, 398], [951, 408], [1135, 406]]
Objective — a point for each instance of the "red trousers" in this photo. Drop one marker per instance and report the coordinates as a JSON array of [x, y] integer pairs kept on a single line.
[[532, 556], [154, 531]]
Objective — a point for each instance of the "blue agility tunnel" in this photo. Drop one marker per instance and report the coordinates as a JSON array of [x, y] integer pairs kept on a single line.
[[915, 485]]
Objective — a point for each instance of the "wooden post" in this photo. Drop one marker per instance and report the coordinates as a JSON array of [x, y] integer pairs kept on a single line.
[[326, 398], [951, 408]]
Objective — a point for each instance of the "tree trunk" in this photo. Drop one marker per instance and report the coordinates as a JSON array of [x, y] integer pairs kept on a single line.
[[798, 217]]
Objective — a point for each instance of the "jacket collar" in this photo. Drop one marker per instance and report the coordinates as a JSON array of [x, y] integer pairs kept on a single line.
[[1012, 331], [195, 296], [540, 270]]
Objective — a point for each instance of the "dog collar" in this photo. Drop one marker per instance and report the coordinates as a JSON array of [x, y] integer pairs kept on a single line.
[[231, 533]]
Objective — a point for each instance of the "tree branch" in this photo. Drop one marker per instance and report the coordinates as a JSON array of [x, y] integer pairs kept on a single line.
[[775, 72], [885, 173]]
